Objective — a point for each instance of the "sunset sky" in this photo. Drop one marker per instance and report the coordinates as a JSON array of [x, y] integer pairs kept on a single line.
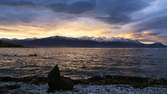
[[144, 20]]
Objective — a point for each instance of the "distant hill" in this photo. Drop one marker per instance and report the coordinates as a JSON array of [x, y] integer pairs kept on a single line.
[[58, 41], [6, 44]]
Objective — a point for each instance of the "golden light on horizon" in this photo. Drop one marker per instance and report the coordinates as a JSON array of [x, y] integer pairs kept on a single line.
[[126, 36], [83, 27], [79, 28], [72, 29], [148, 42]]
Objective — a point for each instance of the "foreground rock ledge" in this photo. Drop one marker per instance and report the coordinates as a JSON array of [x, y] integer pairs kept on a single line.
[[58, 82], [136, 82]]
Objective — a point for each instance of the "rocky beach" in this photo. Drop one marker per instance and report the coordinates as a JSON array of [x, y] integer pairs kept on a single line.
[[94, 85]]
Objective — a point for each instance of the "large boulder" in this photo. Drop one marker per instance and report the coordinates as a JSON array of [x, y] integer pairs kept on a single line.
[[58, 82]]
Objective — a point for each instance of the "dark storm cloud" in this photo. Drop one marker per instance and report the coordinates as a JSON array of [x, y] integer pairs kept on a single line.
[[110, 11], [17, 2], [119, 11], [116, 19], [11, 15], [17, 17], [157, 22], [154, 20], [14, 11], [74, 8], [79, 6], [155, 33]]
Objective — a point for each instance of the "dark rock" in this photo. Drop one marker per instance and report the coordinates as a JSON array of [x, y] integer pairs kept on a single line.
[[136, 82], [58, 82], [32, 55], [3, 91], [9, 87], [19, 91]]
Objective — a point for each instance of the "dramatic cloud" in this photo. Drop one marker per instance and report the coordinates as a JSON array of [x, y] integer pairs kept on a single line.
[[10, 15], [75, 8], [119, 11], [79, 6], [144, 20], [153, 19]]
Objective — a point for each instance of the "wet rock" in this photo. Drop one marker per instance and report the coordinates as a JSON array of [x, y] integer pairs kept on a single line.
[[19, 91], [9, 87], [136, 82], [58, 82], [3, 91]]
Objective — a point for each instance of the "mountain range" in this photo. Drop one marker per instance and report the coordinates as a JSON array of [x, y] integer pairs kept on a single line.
[[59, 41]]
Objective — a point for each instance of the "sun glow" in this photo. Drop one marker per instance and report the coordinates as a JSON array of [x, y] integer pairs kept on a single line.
[[78, 28], [126, 36], [81, 27]]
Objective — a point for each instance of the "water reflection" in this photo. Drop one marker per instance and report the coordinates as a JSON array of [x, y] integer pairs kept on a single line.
[[83, 62]]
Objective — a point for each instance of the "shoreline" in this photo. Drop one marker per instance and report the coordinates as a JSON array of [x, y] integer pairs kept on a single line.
[[93, 85], [136, 82], [22, 88]]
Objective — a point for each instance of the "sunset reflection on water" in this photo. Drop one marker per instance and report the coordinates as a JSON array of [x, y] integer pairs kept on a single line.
[[83, 62]]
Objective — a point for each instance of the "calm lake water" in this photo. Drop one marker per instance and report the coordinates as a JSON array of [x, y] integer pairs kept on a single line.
[[84, 62]]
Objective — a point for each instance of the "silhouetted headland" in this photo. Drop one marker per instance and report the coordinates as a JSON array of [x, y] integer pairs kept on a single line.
[[6, 44]]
